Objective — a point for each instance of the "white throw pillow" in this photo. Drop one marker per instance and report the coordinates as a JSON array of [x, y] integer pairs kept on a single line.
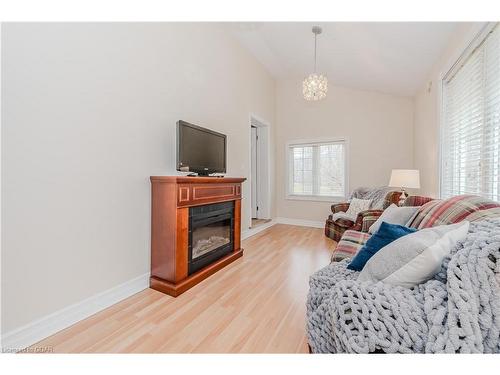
[[356, 206], [394, 215], [414, 258]]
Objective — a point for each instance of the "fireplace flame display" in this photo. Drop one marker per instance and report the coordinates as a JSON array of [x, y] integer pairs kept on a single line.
[[204, 246], [211, 234]]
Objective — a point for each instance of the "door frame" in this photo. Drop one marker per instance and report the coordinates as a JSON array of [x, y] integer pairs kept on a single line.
[[254, 174], [263, 166]]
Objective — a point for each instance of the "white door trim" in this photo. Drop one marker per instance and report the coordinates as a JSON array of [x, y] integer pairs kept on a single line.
[[254, 172], [263, 166]]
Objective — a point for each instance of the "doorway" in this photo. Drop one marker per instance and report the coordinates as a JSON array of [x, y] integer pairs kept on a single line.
[[254, 177], [259, 171]]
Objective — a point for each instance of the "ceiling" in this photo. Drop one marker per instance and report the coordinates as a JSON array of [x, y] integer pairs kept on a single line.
[[393, 58]]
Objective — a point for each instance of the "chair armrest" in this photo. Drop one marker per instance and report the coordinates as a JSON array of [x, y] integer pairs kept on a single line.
[[365, 219], [340, 207]]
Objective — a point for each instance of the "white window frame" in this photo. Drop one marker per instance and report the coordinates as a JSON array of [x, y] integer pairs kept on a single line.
[[472, 40], [317, 198]]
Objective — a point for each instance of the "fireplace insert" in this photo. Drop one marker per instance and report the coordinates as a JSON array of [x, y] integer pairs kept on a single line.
[[211, 229]]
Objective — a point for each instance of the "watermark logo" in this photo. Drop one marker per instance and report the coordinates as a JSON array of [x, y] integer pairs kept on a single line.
[[30, 350]]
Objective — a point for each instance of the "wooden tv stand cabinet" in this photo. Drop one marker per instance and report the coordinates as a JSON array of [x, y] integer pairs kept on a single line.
[[171, 198]]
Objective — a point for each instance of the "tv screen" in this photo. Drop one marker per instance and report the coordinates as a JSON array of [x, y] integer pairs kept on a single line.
[[200, 150]]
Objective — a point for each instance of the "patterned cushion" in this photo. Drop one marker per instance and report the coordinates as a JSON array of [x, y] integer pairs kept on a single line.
[[454, 210], [349, 245], [369, 220]]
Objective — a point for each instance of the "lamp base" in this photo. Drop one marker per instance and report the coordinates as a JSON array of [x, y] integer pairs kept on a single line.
[[402, 197]]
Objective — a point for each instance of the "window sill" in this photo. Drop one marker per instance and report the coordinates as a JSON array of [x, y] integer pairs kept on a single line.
[[316, 198]]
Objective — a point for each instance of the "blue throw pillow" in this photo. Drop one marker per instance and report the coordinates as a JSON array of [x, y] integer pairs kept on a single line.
[[383, 236]]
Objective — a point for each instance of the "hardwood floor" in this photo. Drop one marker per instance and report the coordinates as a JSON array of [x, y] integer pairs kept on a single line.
[[254, 305], [257, 222]]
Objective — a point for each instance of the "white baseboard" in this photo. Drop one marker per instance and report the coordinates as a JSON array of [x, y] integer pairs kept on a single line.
[[253, 231], [33, 332], [300, 222]]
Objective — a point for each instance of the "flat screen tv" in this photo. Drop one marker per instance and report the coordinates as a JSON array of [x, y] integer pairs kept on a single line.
[[200, 150]]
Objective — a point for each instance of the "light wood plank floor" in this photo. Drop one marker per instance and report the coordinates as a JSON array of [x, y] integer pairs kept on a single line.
[[254, 305], [257, 222]]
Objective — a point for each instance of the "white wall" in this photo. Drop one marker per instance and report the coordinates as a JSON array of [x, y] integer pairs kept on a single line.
[[89, 113], [379, 129], [427, 107]]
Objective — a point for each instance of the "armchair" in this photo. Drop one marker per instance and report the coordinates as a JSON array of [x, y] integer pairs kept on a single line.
[[334, 229]]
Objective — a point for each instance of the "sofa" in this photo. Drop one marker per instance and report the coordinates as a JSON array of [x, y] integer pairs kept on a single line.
[[456, 311], [335, 228], [353, 239]]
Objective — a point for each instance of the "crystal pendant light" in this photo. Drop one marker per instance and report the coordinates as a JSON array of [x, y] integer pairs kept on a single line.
[[315, 86]]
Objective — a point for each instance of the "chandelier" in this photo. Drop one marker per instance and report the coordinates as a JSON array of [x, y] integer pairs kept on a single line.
[[315, 86]]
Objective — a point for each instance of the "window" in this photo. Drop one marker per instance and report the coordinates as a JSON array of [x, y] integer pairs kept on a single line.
[[470, 135], [316, 170]]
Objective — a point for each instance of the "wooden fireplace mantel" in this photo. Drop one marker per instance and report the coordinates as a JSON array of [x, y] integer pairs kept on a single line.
[[171, 197]]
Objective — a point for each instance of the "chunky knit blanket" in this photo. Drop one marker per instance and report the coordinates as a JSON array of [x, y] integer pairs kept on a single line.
[[457, 311]]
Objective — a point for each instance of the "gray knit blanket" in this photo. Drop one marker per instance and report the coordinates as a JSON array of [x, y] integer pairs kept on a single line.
[[457, 311], [376, 195]]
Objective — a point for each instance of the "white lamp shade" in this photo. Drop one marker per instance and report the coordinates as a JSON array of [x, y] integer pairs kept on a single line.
[[405, 178]]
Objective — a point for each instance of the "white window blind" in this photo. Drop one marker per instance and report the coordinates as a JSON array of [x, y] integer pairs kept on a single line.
[[317, 169], [470, 139]]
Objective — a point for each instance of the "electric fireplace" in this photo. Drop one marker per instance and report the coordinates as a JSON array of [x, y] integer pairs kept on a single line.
[[210, 234], [195, 229]]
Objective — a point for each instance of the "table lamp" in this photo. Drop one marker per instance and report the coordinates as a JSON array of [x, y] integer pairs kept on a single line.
[[405, 178]]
